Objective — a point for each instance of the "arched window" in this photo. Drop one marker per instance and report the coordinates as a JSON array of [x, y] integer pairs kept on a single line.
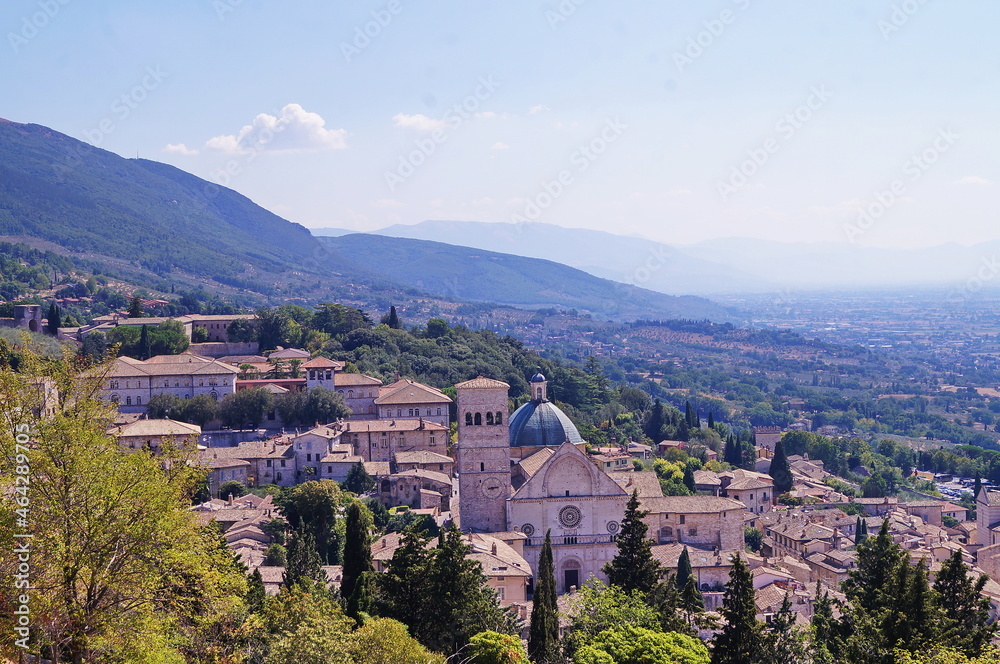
[[138, 401], [666, 533], [479, 419], [538, 393], [489, 418], [114, 398], [350, 394], [128, 401], [498, 418], [468, 419]]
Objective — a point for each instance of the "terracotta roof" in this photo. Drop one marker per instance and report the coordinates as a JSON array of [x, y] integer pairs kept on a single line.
[[188, 365], [322, 363], [669, 554], [364, 426], [353, 379], [157, 428], [377, 468], [691, 504], [706, 478], [482, 383], [530, 465], [645, 482], [407, 392], [421, 457], [425, 475]]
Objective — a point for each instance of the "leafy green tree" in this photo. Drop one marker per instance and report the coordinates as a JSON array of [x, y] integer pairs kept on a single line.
[[386, 641], [965, 609], [753, 538], [781, 471], [636, 645], [199, 409], [273, 327], [337, 319], [357, 554], [437, 327], [241, 330], [95, 346], [232, 488], [654, 424], [304, 627], [543, 634], [165, 406], [741, 640], [400, 590], [245, 408], [633, 567], [323, 406], [199, 335], [312, 507], [358, 481], [869, 587], [496, 648], [276, 555], [113, 543], [392, 319], [597, 607]]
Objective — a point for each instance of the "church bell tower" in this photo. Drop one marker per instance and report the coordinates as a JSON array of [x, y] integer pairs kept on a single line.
[[483, 455]]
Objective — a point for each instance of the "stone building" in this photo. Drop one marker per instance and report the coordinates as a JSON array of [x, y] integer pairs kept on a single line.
[[412, 400], [154, 434], [382, 440], [131, 383], [483, 454]]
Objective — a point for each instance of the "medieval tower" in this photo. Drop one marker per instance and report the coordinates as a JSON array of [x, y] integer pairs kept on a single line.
[[483, 454]]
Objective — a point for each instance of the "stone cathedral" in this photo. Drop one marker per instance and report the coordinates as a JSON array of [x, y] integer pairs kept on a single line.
[[528, 472]]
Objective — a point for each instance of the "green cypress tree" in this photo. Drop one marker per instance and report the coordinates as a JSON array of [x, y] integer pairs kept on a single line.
[[781, 471], [634, 568], [711, 420], [393, 321], [135, 307], [825, 643], [689, 477], [401, 592], [543, 633], [55, 319], [654, 425], [691, 599], [967, 624], [783, 643], [869, 587], [357, 555], [860, 531], [741, 638], [145, 345], [256, 594], [304, 565], [684, 569]]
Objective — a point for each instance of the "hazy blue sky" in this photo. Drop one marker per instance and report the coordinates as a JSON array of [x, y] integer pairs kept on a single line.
[[672, 95]]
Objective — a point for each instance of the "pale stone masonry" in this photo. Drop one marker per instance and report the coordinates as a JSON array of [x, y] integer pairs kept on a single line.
[[483, 454], [130, 383]]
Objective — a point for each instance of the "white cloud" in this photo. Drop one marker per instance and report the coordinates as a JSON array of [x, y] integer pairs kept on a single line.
[[538, 108], [179, 148], [972, 179], [293, 130], [420, 122], [500, 145]]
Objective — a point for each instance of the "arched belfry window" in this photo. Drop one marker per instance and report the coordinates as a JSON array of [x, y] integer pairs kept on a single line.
[[489, 418], [468, 419], [498, 418], [479, 419]]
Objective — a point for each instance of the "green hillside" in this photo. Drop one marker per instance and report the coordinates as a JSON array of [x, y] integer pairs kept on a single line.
[[57, 188], [462, 273]]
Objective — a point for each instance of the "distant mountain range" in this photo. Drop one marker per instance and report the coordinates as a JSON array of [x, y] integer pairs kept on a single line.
[[148, 220], [463, 273], [732, 265]]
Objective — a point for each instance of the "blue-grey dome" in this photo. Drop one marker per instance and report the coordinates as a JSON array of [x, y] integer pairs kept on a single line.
[[538, 378], [541, 423]]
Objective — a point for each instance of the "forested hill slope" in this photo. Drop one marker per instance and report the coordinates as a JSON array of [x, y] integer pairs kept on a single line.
[[484, 276], [86, 199]]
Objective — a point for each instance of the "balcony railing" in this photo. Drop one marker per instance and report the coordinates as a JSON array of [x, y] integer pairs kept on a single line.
[[563, 540]]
